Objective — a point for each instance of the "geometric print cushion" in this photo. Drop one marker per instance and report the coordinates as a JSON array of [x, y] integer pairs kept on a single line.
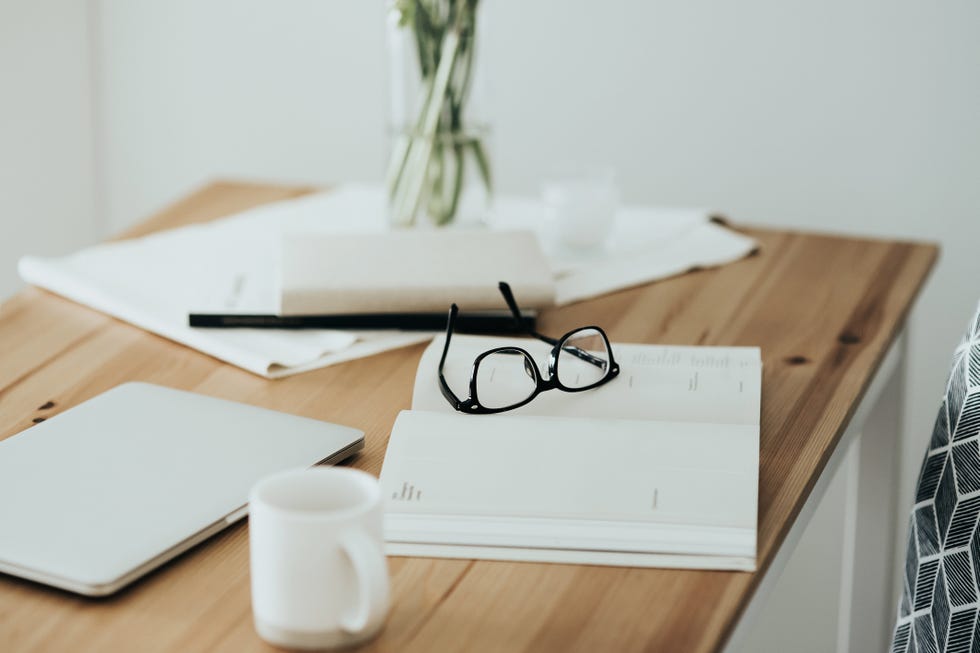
[[938, 610]]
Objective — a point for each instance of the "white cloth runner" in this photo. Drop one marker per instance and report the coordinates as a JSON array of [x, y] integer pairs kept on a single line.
[[231, 265]]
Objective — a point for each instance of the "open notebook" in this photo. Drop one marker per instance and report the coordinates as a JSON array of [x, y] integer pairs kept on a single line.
[[659, 467]]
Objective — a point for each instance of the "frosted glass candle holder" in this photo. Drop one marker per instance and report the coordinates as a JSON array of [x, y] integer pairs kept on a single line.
[[581, 210]]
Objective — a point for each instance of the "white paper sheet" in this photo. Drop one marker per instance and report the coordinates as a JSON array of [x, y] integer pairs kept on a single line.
[[227, 266], [231, 265], [646, 244]]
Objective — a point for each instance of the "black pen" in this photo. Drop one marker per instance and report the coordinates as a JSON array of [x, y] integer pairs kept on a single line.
[[474, 322]]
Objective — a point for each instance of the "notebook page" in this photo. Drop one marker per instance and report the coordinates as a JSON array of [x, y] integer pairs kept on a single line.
[[572, 483], [720, 385]]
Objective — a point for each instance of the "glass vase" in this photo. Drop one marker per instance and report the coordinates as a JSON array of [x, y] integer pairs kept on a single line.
[[439, 171]]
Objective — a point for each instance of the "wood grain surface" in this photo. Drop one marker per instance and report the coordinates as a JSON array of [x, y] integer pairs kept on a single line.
[[823, 309]]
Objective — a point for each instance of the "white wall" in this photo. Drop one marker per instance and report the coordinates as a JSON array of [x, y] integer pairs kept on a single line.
[[238, 88], [47, 173]]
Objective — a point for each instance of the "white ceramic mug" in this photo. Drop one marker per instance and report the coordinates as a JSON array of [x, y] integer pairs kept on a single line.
[[319, 574]]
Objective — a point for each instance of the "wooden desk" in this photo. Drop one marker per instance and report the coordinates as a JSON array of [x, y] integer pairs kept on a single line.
[[824, 310]]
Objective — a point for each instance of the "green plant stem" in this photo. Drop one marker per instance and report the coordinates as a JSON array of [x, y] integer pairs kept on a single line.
[[428, 166], [482, 164], [408, 193]]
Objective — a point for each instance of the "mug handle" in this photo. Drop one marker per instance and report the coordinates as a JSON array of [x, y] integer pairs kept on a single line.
[[371, 570]]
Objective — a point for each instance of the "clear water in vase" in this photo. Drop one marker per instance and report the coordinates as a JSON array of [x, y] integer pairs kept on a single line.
[[439, 169]]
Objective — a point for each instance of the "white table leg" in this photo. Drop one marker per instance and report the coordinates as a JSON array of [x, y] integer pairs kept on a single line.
[[869, 589], [869, 537]]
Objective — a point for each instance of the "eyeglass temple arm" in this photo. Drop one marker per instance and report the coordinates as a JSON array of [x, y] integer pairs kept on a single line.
[[518, 318], [512, 305], [443, 384], [575, 351], [587, 357]]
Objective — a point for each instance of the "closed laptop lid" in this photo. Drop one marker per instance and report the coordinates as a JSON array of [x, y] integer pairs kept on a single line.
[[94, 497]]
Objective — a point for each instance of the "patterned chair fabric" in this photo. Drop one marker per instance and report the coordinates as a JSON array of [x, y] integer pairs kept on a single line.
[[938, 610]]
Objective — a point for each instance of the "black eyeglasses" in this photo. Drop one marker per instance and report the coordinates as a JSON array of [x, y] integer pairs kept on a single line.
[[506, 378]]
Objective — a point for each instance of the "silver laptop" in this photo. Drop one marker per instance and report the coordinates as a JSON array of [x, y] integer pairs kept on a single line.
[[94, 498]]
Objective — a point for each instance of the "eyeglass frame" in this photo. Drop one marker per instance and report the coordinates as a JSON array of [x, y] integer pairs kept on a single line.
[[472, 406]]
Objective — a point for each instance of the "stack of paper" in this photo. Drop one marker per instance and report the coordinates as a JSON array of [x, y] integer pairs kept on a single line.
[[232, 265], [658, 467]]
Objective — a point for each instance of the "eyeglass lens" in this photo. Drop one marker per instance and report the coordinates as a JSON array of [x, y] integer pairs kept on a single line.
[[583, 359], [504, 379]]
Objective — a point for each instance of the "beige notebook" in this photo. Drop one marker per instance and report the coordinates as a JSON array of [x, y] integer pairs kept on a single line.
[[411, 271]]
